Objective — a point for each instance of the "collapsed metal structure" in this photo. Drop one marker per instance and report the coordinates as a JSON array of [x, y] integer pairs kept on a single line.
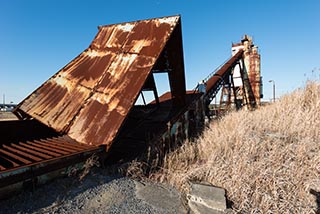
[[89, 106]]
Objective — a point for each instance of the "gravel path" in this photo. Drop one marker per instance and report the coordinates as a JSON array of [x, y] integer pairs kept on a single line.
[[96, 193]]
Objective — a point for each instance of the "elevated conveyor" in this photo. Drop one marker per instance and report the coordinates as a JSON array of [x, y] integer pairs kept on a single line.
[[216, 80], [224, 78]]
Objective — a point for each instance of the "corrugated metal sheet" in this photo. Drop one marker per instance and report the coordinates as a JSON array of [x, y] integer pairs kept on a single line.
[[26, 160], [24, 154], [90, 97]]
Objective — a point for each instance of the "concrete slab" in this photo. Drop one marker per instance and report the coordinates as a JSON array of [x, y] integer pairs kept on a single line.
[[197, 208], [204, 198], [160, 197]]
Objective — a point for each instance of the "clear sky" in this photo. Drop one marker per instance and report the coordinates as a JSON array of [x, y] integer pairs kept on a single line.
[[39, 37]]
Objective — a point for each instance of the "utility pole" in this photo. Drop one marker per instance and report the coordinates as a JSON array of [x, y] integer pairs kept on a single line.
[[273, 90]]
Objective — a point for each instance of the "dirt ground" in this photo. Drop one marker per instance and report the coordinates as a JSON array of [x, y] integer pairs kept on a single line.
[[7, 116]]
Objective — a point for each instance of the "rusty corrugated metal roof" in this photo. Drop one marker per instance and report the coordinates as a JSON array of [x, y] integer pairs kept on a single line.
[[91, 96]]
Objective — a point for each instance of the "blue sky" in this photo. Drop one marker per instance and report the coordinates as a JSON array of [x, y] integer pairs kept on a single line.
[[39, 37]]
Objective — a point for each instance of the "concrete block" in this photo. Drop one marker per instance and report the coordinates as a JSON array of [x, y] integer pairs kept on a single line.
[[204, 198], [160, 197]]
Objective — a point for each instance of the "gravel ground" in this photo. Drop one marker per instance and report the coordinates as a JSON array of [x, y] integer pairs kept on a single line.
[[96, 193]]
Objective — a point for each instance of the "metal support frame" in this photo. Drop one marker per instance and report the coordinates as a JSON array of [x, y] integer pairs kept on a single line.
[[223, 78], [234, 89]]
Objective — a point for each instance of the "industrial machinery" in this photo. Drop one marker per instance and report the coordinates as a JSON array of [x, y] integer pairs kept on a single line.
[[90, 105]]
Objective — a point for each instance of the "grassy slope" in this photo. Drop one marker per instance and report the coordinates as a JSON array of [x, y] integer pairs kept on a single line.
[[267, 160]]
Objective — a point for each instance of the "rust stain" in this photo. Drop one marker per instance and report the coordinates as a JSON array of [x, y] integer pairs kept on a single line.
[[254, 75], [105, 111], [90, 97]]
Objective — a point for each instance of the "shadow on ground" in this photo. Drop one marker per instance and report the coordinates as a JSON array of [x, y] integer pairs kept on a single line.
[[317, 195], [51, 194]]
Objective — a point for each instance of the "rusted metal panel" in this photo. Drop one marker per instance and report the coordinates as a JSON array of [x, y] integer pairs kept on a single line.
[[56, 102], [90, 97], [99, 120], [150, 36], [112, 37], [88, 68]]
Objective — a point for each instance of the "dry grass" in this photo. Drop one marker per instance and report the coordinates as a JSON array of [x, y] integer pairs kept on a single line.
[[92, 161], [267, 160], [83, 169]]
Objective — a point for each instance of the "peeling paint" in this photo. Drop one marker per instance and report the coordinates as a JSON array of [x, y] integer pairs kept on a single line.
[[168, 20], [126, 27], [95, 53]]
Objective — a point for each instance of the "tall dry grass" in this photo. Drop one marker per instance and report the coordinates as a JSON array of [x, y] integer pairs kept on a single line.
[[268, 160]]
